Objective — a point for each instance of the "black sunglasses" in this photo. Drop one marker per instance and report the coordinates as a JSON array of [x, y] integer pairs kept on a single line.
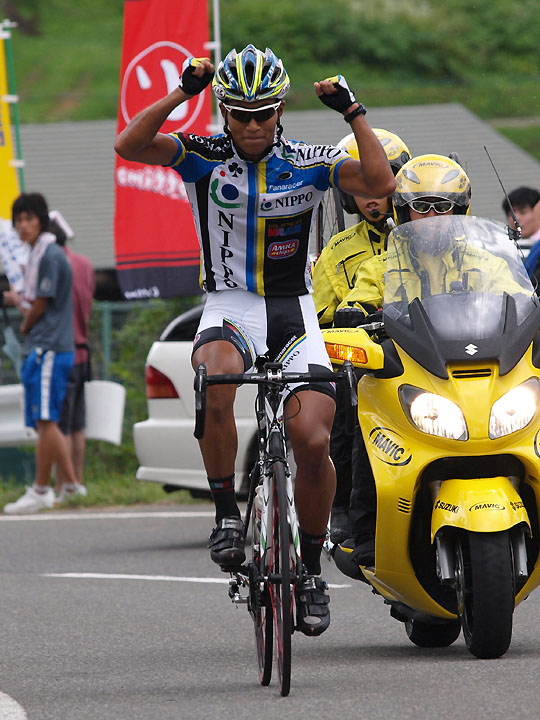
[[260, 115]]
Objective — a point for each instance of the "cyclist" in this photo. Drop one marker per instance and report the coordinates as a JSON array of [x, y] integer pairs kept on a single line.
[[253, 196], [426, 186], [333, 278]]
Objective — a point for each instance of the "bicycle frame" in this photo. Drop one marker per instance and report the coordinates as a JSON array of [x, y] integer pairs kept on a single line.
[[273, 448]]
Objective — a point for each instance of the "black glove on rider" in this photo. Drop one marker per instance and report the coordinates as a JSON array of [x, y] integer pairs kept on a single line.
[[190, 83], [343, 99], [349, 317]]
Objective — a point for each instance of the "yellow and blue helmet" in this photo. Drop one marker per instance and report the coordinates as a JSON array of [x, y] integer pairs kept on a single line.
[[251, 75]]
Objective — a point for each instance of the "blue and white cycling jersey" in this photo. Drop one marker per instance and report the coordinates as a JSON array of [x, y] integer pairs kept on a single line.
[[253, 220]]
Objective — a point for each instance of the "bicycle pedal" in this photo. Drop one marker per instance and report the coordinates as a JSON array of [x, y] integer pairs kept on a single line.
[[240, 599], [328, 549], [234, 592]]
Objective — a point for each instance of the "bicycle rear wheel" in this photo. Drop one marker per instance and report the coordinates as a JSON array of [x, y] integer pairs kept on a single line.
[[260, 606], [329, 220], [280, 564]]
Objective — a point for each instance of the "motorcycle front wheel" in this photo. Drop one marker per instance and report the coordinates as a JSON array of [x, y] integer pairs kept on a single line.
[[485, 592]]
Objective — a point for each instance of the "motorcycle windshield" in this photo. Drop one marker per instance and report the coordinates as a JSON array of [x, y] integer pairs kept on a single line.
[[458, 284]]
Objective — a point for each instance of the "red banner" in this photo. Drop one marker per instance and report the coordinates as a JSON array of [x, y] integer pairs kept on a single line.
[[157, 253]]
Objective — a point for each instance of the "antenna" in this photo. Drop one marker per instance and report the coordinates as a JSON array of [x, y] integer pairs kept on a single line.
[[516, 234]]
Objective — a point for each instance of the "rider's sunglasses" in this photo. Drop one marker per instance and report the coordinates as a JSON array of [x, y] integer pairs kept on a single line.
[[424, 206], [260, 114]]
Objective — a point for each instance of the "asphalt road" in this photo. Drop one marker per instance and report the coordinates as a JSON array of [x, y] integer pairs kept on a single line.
[[124, 616]]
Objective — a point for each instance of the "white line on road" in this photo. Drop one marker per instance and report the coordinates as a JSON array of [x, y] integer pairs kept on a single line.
[[162, 578], [110, 515], [10, 709]]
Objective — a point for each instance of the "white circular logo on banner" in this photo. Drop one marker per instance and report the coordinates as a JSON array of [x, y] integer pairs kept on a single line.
[[151, 75]]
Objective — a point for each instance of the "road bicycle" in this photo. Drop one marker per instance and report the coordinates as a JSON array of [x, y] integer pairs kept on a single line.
[[275, 566]]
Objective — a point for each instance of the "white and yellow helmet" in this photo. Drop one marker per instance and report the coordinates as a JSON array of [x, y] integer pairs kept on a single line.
[[431, 176], [396, 152]]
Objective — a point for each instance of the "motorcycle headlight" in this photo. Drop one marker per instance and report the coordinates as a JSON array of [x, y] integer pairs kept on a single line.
[[433, 414], [515, 409]]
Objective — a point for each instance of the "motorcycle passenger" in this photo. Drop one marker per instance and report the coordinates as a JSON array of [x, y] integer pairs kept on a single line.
[[333, 278], [426, 186], [254, 197]]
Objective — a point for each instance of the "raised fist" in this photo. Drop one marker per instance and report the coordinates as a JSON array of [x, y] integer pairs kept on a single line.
[[197, 73]]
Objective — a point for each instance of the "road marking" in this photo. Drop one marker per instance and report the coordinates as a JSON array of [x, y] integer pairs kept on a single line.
[[110, 516], [162, 578], [10, 709]]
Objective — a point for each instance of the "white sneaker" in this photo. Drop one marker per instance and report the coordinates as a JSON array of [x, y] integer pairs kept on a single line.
[[31, 502], [71, 492]]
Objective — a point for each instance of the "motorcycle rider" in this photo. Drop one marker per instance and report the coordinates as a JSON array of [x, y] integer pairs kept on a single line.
[[426, 186], [333, 278]]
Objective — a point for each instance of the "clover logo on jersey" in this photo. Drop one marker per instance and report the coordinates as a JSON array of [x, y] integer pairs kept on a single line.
[[224, 195], [235, 169]]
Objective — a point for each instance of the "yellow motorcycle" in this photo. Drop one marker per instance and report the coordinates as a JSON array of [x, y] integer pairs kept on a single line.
[[449, 408]]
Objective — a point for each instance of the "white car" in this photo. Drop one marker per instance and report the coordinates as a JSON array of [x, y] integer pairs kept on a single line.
[[165, 447]]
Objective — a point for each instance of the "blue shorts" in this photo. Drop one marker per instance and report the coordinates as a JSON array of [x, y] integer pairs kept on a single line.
[[45, 376]]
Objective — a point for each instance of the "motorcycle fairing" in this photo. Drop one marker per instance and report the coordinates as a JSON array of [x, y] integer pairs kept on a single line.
[[478, 505], [420, 339]]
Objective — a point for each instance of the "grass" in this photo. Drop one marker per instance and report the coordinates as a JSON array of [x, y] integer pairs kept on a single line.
[[71, 70], [107, 487], [481, 94], [526, 137], [114, 490]]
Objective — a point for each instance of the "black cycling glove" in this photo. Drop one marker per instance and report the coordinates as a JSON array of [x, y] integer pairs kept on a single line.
[[190, 83], [343, 99]]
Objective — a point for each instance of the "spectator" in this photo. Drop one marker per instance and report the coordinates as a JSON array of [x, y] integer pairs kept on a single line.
[[526, 204], [73, 415], [47, 307]]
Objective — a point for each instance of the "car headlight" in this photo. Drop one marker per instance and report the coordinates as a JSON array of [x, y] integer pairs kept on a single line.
[[433, 414], [515, 409]]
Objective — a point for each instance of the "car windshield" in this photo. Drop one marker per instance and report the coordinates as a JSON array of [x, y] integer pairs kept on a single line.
[[461, 269]]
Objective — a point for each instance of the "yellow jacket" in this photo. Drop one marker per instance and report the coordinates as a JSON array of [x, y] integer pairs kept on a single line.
[[335, 271], [482, 269]]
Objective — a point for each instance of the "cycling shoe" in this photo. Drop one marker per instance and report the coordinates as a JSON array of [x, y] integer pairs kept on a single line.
[[313, 613], [226, 542]]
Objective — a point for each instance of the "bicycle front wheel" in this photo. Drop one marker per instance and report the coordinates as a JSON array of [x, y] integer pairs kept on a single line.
[[280, 564], [260, 605]]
